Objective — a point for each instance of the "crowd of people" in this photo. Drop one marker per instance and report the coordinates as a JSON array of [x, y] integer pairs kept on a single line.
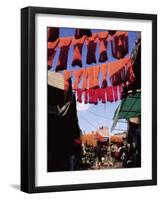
[[108, 155]]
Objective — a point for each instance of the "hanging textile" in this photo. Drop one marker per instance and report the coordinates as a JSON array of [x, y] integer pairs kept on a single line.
[[100, 95], [93, 96], [90, 80], [91, 49], [52, 33], [104, 75], [77, 77], [77, 56], [51, 52], [79, 95], [109, 94], [86, 92], [64, 45], [120, 89], [84, 79], [93, 77], [130, 72], [96, 72], [119, 44], [115, 93], [102, 36], [81, 32], [67, 75], [121, 71], [112, 32]]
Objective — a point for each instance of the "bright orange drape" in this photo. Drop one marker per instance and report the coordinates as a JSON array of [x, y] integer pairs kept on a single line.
[[77, 77], [84, 79], [51, 52], [77, 55], [64, 45], [91, 48], [96, 71], [104, 75], [90, 77], [119, 44], [93, 76], [115, 66], [67, 75], [103, 46]]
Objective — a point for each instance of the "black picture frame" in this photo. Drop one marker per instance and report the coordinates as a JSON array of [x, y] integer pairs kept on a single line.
[[28, 98]]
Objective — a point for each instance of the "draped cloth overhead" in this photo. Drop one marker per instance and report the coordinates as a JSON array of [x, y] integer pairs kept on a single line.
[[64, 45], [51, 52], [77, 55], [53, 40], [103, 36], [91, 49], [77, 76], [121, 71], [119, 44], [93, 74], [81, 32], [84, 79], [52, 33], [93, 96], [104, 75], [67, 75]]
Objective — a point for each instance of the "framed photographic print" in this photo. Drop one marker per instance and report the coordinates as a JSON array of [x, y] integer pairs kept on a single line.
[[88, 99]]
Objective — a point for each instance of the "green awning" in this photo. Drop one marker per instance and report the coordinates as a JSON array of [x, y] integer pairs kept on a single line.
[[129, 107]]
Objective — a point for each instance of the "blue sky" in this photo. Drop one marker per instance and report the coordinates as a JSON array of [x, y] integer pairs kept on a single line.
[[91, 117]]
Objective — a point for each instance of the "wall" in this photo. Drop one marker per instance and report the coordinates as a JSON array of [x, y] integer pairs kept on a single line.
[[10, 98]]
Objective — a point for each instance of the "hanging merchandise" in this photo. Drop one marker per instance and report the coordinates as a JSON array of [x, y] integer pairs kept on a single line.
[[91, 49], [100, 95], [81, 32], [93, 96], [130, 73], [53, 34], [119, 44], [90, 80], [64, 45], [67, 75], [96, 72], [104, 75], [109, 93], [84, 79], [120, 89], [121, 71], [93, 77], [112, 32], [102, 36], [51, 52], [79, 95], [86, 93], [115, 93], [77, 77], [77, 56]]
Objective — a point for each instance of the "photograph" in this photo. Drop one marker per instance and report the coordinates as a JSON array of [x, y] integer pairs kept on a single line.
[[93, 99], [89, 99]]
